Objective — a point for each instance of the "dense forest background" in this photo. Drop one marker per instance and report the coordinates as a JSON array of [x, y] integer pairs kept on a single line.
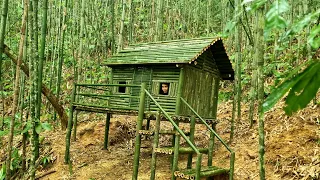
[[56, 43]]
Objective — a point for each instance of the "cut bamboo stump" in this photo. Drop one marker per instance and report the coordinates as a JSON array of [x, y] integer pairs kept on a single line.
[[208, 171]]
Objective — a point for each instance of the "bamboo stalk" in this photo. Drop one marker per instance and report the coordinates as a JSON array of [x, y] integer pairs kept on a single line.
[[175, 156], [198, 166], [155, 145], [119, 85], [192, 130], [138, 136], [214, 115], [103, 95], [69, 129], [232, 161], [75, 126], [106, 134]]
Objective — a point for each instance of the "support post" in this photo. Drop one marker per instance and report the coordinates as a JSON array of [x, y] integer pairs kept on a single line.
[[198, 166], [191, 136], [175, 156], [148, 124], [138, 136], [106, 131], [214, 115], [179, 93], [155, 145], [69, 128], [178, 107], [231, 172]]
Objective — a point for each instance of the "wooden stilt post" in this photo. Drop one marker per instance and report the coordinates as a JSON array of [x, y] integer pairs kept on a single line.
[[198, 166], [177, 111], [214, 115], [148, 124], [138, 136], [175, 156], [106, 131], [191, 136], [69, 128], [155, 145]]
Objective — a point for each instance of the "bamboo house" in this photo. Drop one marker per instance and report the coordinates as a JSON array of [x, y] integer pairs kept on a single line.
[[189, 66], [177, 81]]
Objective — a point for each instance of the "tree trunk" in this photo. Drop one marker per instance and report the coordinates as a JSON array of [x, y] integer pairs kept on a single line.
[[45, 91], [260, 61], [238, 36], [16, 88], [159, 30], [2, 37]]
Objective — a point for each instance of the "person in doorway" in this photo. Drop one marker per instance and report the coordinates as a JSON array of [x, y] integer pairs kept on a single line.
[[164, 89]]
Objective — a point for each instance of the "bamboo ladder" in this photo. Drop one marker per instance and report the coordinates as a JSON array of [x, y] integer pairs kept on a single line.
[[188, 173]]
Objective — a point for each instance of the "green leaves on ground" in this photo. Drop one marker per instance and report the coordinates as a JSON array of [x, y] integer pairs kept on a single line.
[[303, 87], [43, 127]]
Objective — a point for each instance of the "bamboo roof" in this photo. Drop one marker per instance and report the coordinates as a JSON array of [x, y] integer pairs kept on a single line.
[[174, 52]]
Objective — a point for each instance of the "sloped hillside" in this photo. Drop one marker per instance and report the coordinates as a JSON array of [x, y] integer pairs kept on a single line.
[[292, 147]]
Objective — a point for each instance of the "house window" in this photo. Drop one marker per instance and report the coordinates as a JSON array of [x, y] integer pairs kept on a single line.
[[122, 89], [164, 88]]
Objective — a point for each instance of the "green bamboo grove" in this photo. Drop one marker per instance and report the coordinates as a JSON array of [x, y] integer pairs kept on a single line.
[[50, 50]]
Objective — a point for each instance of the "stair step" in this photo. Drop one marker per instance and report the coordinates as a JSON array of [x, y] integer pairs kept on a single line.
[[205, 172], [182, 150], [169, 132]]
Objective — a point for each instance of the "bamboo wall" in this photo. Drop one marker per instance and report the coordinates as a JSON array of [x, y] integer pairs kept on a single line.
[[198, 85], [152, 76], [121, 74], [165, 74]]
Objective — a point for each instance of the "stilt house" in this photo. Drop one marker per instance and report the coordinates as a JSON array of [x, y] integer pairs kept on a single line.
[[190, 67], [173, 80]]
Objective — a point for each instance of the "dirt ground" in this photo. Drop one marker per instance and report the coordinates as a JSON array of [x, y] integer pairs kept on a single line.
[[292, 147]]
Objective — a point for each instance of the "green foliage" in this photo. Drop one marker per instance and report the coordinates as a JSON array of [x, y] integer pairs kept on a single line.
[[255, 4], [43, 127], [3, 172], [314, 37], [303, 87], [304, 90], [274, 18]]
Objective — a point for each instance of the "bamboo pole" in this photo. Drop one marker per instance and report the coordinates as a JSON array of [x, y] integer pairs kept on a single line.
[[192, 130], [198, 166], [232, 161], [138, 136], [69, 129], [16, 89], [75, 124], [155, 145], [214, 115], [106, 132], [175, 156]]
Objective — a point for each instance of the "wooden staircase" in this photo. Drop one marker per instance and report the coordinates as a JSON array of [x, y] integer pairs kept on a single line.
[[175, 150]]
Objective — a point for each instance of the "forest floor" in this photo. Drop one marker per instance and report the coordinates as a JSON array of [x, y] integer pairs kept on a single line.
[[292, 147]]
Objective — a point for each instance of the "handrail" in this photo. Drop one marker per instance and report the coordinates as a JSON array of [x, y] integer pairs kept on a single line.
[[173, 123], [119, 85], [232, 158], [207, 125], [103, 95]]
